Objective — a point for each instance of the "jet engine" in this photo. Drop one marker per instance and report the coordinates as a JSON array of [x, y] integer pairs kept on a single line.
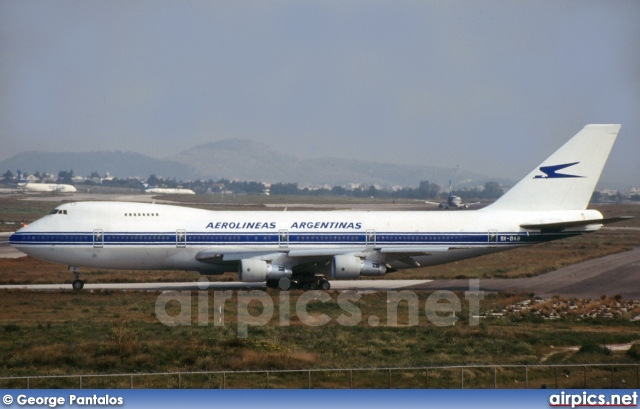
[[252, 270], [350, 267]]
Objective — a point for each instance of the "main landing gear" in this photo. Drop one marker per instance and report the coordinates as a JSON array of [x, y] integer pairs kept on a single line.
[[77, 284], [314, 283], [306, 283]]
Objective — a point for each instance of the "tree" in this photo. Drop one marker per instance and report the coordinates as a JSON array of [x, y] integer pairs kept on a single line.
[[284, 189], [153, 180], [492, 190], [619, 197], [427, 190], [8, 175], [65, 176], [596, 197], [339, 191]]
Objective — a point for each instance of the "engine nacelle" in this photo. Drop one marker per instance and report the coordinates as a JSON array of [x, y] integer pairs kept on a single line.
[[351, 267], [252, 270]]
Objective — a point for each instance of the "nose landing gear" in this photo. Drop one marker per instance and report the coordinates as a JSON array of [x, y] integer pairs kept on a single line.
[[77, 284]]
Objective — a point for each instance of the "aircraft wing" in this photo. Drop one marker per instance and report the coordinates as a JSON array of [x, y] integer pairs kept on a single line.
[[557, 226], [216, 256]]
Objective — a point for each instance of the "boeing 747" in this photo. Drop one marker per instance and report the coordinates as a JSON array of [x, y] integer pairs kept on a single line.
[[313, 247]]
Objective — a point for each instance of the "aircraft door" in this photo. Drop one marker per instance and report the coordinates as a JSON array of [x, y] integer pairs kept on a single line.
[[98, 239], [283, 238], [181, 238], [371, 238]]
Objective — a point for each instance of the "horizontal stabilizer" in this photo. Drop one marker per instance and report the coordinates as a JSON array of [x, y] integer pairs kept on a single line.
[[576, 223]]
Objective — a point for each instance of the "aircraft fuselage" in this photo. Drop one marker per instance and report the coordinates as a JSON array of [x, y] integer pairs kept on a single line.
[[139, 236]]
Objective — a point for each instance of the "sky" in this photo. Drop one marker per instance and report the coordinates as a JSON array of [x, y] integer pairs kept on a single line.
[[490, 86]]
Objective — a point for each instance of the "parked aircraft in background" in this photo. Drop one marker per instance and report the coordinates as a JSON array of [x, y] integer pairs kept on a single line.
[[166, 190], [169, 191], [23, 184], [311, 247], [453, 202], [46, 187]]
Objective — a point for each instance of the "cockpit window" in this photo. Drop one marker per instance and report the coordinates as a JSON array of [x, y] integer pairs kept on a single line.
[[58, 211]]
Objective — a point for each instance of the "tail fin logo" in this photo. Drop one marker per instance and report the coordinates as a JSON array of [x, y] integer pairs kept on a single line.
[[551, 172]]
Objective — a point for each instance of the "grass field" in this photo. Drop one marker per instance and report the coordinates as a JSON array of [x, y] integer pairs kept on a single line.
[[119, 332], [101, 332]]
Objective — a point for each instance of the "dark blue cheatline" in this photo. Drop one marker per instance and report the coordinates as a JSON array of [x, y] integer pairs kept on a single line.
[[298, 239]]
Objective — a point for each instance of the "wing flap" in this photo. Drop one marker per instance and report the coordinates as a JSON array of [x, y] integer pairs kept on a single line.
[[217, 256]]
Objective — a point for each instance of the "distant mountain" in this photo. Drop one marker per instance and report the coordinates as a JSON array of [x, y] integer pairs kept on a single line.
[[119, 164], [243, 160], [249, 160]]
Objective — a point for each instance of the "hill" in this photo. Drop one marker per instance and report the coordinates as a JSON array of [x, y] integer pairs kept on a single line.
[[242, 160], [119, 164], [249, 160]]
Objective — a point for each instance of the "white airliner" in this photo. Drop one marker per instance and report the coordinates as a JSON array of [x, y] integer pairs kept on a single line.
[[47, 187], [169, 191], [453, 202], [311, 247]]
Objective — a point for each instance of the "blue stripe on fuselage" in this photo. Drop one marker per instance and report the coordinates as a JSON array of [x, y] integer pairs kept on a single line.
[[209, 239]]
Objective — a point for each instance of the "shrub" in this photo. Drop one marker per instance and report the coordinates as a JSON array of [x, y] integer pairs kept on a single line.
[[594, 348], [11, 328], [634, 351]]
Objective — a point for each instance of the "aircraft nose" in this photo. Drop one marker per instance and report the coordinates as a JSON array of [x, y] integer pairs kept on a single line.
[[14, 238]]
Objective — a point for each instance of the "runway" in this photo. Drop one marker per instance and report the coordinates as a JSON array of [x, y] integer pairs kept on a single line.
[[6, 251], [361, 285], [609, 275]]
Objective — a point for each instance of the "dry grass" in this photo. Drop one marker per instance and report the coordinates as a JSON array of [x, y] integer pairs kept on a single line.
[[116, 332], [27, 270]]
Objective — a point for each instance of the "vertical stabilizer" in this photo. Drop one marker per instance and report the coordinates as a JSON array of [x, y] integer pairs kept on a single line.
[[566, 180]]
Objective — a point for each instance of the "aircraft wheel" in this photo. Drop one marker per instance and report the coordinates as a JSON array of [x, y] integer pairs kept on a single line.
[[272, 283], [325, 285], [77, 285]]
